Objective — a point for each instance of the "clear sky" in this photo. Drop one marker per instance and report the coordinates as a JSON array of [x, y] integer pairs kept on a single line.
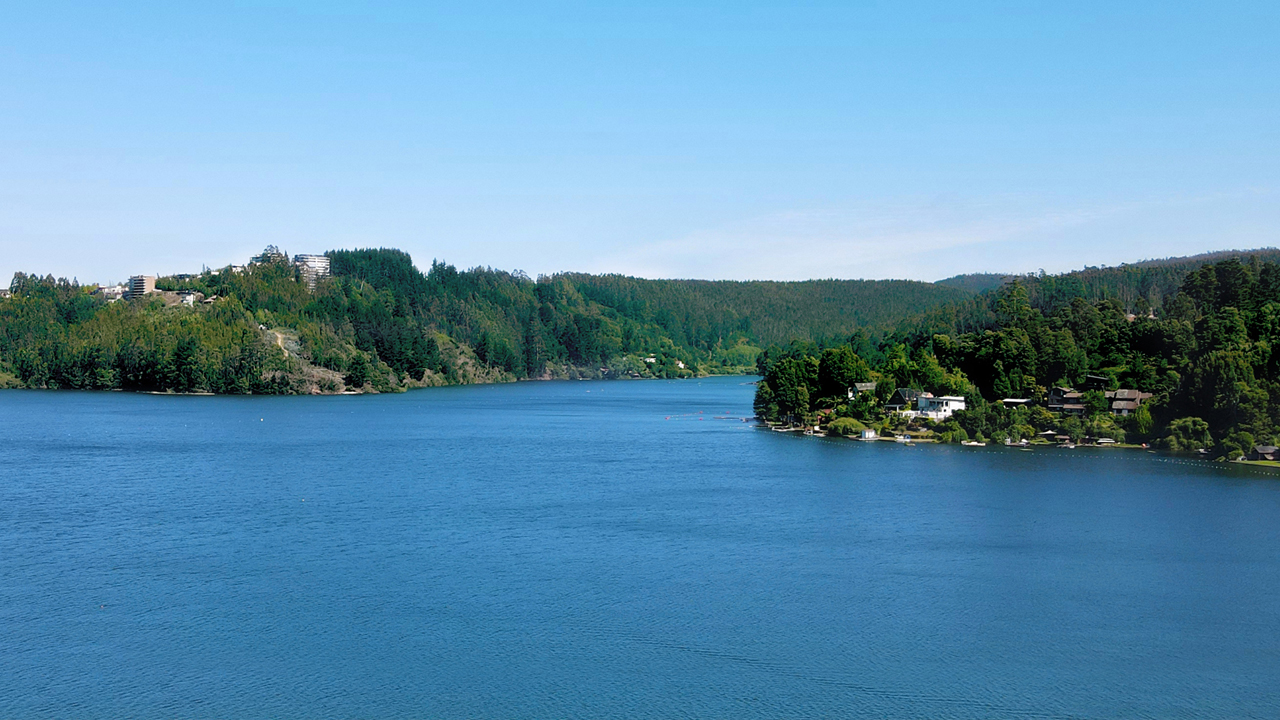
[[776, 140]]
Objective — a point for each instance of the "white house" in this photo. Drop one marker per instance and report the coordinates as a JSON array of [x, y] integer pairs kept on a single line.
[[939, 408], [112, 293], [859, 388]]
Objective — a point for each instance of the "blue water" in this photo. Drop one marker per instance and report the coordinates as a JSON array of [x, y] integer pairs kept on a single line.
[[609, 550]]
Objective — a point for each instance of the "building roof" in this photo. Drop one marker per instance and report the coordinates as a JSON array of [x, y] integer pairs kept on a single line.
[[1129, 394], [1124, 405], [907, 394], [1265, 449]]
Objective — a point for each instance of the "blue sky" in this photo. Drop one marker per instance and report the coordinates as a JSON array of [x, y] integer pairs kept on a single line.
[[719, 140]]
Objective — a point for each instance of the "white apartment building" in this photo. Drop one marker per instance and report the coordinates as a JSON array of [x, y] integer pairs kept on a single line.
[[312, 267]]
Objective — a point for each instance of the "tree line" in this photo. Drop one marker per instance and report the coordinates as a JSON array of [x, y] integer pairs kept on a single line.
[[1209, 354], [381, 323]]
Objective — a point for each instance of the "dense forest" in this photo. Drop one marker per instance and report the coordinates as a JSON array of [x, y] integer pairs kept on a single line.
[[1209, 355], [1137, 287], [1198, 334], [379, 323]]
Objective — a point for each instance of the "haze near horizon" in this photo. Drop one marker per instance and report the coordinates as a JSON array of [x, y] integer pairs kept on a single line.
[[755, 140]]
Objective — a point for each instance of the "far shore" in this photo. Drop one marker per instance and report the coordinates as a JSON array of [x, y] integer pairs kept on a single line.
[[1036, 444]]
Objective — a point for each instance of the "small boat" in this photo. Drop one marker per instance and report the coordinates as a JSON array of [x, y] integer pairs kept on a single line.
[[903, 438], [973, 443]]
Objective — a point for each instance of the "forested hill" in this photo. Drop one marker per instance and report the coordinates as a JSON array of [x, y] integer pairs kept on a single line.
[[1138, 288], [976, 282], [697, 311], [1201, 372], [380, 323]]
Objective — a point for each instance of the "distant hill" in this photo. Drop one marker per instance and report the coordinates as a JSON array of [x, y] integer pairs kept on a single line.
[[976, 282], [1153, 280], [1139, 287], [379, 323], [697, 312]]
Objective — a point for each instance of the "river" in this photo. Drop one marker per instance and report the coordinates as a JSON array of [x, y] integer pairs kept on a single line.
[[609, 550]]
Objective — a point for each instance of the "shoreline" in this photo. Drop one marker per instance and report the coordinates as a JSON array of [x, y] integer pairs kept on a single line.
[[808, 432], [401, 390]]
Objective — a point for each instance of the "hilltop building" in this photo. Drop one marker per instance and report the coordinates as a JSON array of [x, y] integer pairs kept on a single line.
[[271, 254], [112, 293], [313, 268], [140, 285]]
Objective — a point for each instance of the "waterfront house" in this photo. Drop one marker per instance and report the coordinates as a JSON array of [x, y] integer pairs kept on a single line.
[[868, 434], [904, 399], [1126, 401], [1264, 452], [939, 408], [1066, 400]]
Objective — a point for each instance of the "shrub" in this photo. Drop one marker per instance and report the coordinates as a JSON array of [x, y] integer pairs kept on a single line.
[[845, 426]]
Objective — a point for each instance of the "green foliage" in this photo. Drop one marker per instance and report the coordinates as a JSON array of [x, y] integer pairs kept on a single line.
[[838, 369], [1236, 445], [1205, 343], [1188, 433], [1143, 424], [845, 426], [380, 322], [1095, 402]]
